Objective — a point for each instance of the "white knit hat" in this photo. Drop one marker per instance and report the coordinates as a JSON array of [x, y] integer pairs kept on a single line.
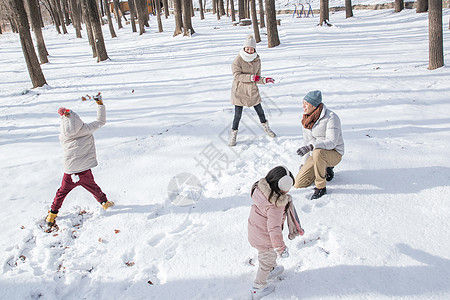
[[250, 42]]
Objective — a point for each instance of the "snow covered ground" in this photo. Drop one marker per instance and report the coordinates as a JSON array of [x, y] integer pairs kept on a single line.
[[381, 232]]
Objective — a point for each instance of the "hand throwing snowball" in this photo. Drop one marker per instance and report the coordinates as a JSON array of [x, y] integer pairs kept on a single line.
[[79, 157], [244, 92], [267, 215]]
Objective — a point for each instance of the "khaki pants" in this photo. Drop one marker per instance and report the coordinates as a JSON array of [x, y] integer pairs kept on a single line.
[[267, 261], [314, 169]]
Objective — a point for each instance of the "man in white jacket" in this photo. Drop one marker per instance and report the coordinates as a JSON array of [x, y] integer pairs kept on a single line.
[[79, 157], [323, 142]]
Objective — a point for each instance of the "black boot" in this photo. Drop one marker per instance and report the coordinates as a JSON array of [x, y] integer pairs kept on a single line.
[[330, 173], [318, 193]]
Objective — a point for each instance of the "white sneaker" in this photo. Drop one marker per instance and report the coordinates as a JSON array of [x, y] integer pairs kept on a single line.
[[275, 272], [262, 292]]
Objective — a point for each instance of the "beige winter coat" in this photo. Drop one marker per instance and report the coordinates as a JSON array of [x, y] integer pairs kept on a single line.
[[78, 142], [266, 218], [244, 91]]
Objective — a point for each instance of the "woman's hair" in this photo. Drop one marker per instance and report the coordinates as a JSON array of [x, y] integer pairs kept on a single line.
[[272, 179]]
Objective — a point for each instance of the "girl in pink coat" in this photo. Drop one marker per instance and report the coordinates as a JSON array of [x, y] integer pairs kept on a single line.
[[265, 224]]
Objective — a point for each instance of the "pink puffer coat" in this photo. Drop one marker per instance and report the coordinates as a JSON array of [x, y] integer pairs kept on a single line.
[[267, 218]]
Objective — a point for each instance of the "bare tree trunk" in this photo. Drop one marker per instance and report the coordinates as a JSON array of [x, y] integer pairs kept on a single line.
[[76, 17], [116, 9], [141, 16], [255, 21], [36, 26], [241, 9], [40, 14], [422, 6], [97, 30], [221, 8], [108, 15], [158, 15], [65, 11], [166, 8], [436, 44], [61, 16], [132, 7], [202, 14], [247, 9], [187, 21], [217, 9], [87, 21], [192, 8], [324, 13], [178, 17], [272, 31], [34, 68], [262, 24], [214, 7], [348, 9], [399, 5], [54, 14], [233, 12]]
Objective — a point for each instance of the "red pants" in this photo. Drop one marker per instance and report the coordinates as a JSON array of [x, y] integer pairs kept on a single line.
[[86, 180]]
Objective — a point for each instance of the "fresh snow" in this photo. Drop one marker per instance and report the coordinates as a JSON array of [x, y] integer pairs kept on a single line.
[[179, 227]]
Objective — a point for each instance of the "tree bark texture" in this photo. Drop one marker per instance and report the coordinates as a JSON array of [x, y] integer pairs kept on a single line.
[[36, 26], [34, 68], [255, 21], [399, 5], [132, 7], [262, 24], [324, 13], [187, 19], [178, 17], [202, 13], [233, 12], [76, 17], [221, 8], [214, 7], [102, 55], [141, 16], [61, 16], [54, 14], [87, 21], [421, 6], [116, 9], [158, 15], [271, 18], [436, 44], [348, 9], [217, 9], [241, 10], [166, 8], [108, 15]]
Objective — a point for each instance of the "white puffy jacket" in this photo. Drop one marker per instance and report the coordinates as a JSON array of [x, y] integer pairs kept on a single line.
[[78, 142], [325, 134]]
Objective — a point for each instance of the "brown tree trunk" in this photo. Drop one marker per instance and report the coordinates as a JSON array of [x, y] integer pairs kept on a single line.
[[214, 7], [34, 68], [76, 17], [348, 9], [192, 8], [54, 14], [436, 45], [221, 8], [241, 9], [324, 13], [158, 15], [141, 16], [399, 5], [202, 14], [65, 12], [40, 14], [255, 21], [217, 9], [233, 12], [422, 6], [132, 7], [187, 21], [97, 30], [87, 21], [178, 17], [262, 24], [271, 18], [36, 26], [61, 16], [116, 9], [108, 15], [166, 8]]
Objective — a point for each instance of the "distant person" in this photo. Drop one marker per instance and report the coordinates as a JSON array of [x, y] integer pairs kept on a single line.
[[244, 92], [265, 225], [323, 145], [79, 157]]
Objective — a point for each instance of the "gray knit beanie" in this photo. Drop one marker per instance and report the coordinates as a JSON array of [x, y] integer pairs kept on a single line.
[[250, 42], [314, 98]]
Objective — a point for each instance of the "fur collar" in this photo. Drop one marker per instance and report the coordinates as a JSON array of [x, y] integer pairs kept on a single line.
[[264, 187]]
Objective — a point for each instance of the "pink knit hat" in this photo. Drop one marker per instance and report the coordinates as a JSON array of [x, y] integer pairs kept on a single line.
[[62, 111]]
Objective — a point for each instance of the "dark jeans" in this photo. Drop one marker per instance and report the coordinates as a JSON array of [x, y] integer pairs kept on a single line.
[[86, 181], [238, 115]]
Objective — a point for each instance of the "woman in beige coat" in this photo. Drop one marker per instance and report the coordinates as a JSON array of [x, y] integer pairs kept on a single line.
[[244, 92]]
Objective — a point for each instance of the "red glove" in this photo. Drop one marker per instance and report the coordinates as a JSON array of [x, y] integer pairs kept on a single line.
[[255, 78], [270, 80]]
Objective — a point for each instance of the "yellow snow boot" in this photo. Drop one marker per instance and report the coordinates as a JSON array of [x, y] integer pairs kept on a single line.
[[107, 204], [51, 218]]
